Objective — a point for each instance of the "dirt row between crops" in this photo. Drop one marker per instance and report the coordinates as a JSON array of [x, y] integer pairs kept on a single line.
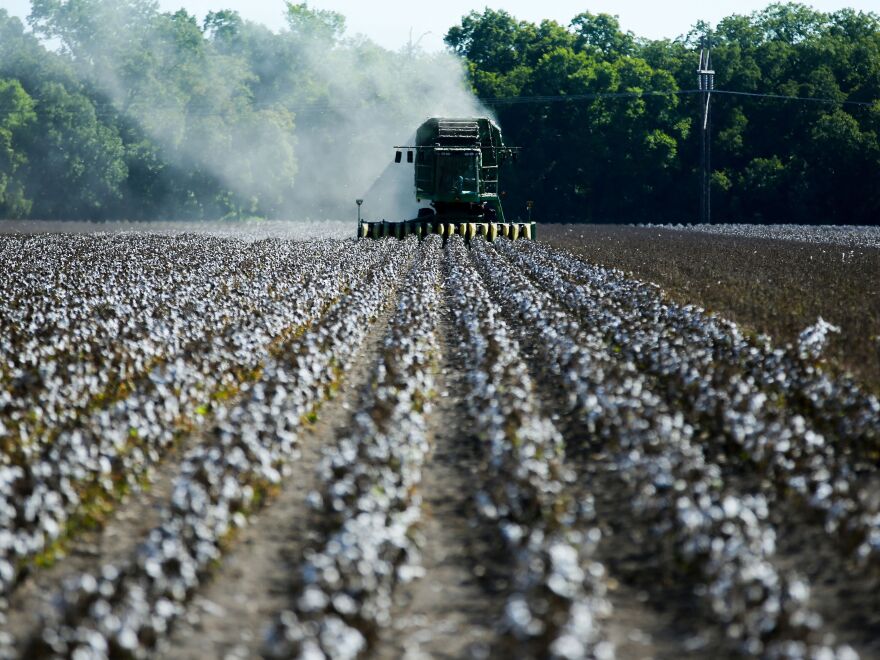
[[91, 549], [253, 582], [772, 286], [658, 618], [449, 611]]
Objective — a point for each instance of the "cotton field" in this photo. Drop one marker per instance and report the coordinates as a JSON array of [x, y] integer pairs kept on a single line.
[[626, 476], [850, 236]]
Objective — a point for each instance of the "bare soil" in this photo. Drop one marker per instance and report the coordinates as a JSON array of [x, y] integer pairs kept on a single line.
[[451, 611], [651, 618], [774, 287], [89, 550], [254, 582]]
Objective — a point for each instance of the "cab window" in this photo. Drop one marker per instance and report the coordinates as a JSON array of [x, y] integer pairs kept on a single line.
[[457, 174]]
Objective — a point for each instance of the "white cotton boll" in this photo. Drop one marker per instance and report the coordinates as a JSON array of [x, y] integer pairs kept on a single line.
[[812, 341]]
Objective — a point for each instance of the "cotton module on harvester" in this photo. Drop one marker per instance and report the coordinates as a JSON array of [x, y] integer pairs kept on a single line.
[[457, 163]]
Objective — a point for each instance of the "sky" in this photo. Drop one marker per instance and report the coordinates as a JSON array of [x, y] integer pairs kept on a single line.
[[391, 22]]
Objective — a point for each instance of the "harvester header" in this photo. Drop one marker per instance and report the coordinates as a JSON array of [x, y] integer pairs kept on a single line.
[[457, 164]]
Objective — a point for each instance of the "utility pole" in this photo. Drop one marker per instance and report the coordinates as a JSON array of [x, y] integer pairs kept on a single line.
[[706, 79]]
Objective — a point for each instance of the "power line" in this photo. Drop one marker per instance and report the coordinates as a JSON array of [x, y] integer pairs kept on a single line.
[[806, 99], [495, 101], [105, 108], [556, 98]]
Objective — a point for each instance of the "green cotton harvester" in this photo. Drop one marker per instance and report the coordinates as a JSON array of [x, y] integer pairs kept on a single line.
[[457, 163]]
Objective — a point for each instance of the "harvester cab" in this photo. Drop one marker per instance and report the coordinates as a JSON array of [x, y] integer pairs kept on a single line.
[[457, 164]]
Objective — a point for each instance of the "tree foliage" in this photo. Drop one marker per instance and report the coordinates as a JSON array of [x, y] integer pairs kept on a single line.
[[141, 113], [624, 158], [15, 119]]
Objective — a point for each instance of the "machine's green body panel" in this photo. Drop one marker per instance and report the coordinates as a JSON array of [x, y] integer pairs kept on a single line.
[[456, 166], [457, 160]]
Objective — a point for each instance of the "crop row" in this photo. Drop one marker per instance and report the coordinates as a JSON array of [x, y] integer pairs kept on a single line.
[[85, 316], [810, 434], [855, 237], [715, 528], [116, 348], [125, 610], [370, 501], [62, 473], [245, 231], [557, 599]]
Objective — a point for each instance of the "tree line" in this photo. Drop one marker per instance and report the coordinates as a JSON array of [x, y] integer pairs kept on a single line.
[[132, 112], [621, 157], [139, 113]]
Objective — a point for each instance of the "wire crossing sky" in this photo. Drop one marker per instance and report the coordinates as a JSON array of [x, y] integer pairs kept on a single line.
[[109, 110], [391, 23]]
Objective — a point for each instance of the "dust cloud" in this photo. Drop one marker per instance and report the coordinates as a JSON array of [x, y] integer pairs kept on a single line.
[[295, 124], [412, 87]]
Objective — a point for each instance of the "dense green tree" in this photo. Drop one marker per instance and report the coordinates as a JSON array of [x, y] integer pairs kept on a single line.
[[618, 157], [83, 157], [594, 158], [493, 41], [318, 24], [137, 112], [602, 34], [16, 115], [190, 94]]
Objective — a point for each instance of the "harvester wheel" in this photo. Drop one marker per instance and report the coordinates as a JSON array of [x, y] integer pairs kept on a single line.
[[493, 231], [514, 232]]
